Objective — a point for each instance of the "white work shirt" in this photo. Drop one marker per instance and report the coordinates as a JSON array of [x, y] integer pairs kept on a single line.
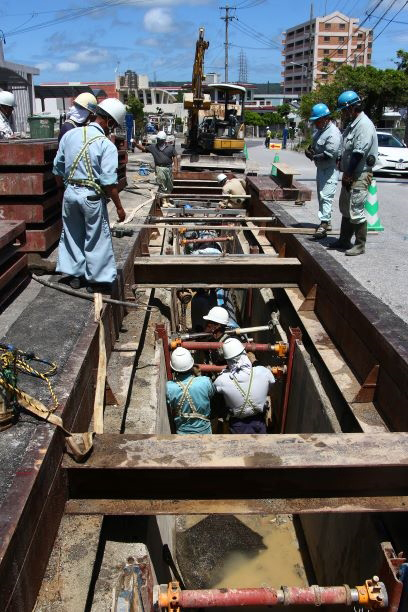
[[360, 136], [327, 141], [5, 127], [262, 382]]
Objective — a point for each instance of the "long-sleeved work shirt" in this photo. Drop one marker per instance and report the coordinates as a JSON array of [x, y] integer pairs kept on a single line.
[[327, 141], [360, 136], [102, 152], [234, 187], [196, 402], [5, 127], [241, 408]]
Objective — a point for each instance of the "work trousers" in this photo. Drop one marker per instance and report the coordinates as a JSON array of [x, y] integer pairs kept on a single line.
[[164, 177], [352, 201], [85, 247], [326, 183], [251, 425]]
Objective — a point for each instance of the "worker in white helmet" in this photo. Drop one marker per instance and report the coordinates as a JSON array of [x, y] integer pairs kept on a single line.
[[88, 161], [189, 396], [164, 154], [245, 389], [80, 113], [232, 186], [7, 105]]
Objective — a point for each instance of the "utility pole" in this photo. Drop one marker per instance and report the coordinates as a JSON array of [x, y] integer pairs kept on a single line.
[[227, 18]]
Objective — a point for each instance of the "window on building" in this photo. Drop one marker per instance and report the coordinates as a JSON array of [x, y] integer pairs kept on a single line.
[[370, 44], [342, 38], [326, 38], [342, 26], [297, 89], [327, 26], [359, 46], [289, 57], [340, 52], [324, 76], [326, 51], [360, 35], [369, 56]]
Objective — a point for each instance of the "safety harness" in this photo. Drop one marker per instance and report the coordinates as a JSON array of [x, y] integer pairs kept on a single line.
[[84, 153], [193, 414], [245, 395]]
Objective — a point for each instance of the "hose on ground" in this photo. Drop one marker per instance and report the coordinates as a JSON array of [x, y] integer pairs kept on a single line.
[[81, 294]]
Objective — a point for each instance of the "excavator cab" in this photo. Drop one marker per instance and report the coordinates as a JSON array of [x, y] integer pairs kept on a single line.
[[222, 130]]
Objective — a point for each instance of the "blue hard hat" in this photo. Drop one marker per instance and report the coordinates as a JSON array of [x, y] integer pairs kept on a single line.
[[318, 111], [347, 98]]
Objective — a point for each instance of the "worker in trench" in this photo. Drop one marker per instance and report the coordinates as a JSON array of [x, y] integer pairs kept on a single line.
[[7, 105], [164, 155], [87, 163], [234, 187], [189, 396], [81, 113], [245, 389], [359, 152], [324, 152]]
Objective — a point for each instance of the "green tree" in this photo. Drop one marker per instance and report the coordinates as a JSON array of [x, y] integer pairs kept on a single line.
[[135, 107], [402, 60], [252, 118]]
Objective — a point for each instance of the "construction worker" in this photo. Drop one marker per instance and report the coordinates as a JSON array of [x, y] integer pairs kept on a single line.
[[7, 105], [217, 321], [88, 162], [324, 153], [268, 137], [285, 135], [359, 152], [233, 186], [245, 389], [189, 396], [80, 113], [163, 155]]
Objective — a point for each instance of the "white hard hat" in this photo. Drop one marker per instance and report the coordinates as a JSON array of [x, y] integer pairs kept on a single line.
[[161, 135], [218, 315], [7, 99], [232, 347], [181, 360], [114, 108], [267, 127], [221, 177], [87, 101]]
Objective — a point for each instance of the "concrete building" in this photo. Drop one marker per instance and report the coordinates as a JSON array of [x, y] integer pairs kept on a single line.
[[313, 50], [137, 85], [18, 78]]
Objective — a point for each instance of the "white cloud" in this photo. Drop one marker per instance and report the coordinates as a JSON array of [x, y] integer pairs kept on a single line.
[[44, 65], [67, 66], [91, 56], [158, 20]]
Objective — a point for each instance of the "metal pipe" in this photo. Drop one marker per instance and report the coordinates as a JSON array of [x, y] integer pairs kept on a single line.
[[209, 346], [210, 368], [209, 239], [172, 598], [295, 334], [162, 334]]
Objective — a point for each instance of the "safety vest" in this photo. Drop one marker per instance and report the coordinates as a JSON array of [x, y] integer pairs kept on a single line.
[[193, 414], [84, 153], [245, 395]]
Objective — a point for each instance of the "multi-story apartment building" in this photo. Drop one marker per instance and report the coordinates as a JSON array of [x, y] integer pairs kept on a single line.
[[312, 51]]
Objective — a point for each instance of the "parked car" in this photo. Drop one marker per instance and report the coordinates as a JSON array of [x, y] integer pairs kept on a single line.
[[392, 155]]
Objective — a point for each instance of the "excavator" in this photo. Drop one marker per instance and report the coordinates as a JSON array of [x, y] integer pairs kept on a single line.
[[215, 137]]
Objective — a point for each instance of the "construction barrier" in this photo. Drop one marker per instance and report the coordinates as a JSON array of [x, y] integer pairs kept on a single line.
[[275, 145], [274, 171], [371, 209]]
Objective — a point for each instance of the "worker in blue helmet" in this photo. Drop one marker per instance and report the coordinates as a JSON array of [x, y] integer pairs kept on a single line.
[[324, 152], [359, 152]]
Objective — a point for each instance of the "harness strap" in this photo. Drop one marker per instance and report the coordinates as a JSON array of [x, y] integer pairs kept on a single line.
[[193, 414], [71, 122], [245, 395], [84, 153]]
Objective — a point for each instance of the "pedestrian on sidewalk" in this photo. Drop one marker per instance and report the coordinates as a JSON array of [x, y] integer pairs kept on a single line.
[[163, 154], [324, 152], [359, 153], [285, 134], [87, 161]]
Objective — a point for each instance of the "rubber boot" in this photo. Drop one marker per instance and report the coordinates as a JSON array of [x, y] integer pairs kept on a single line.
[[346, 232], [321, 231], [361, 237]]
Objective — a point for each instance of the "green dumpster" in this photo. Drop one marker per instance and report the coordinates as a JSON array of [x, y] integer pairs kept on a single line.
[[41, 127]]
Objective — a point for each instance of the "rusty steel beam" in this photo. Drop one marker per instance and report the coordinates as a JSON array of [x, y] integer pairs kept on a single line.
[[27, 183], [234, 270], [27, 153], [10, 231], [306, 466], [31, 209]]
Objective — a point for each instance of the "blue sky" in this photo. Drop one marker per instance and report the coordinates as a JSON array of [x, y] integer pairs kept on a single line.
[[158, 37]]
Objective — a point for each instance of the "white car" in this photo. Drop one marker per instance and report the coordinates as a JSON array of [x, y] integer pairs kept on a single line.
[[392, 155]]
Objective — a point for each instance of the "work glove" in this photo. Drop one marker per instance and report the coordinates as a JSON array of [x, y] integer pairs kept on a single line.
[[347, 181], [309, 153]]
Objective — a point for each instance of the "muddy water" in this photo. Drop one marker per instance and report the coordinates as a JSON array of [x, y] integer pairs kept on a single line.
[[240, 551]]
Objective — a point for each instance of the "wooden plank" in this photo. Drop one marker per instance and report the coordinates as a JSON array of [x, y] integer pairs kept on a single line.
[[230, 269]]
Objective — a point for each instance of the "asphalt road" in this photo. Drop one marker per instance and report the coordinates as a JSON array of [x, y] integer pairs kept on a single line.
[[383, 269]]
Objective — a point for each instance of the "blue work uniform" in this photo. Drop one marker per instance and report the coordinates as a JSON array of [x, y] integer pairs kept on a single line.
[[360, 136], [189, 399], [327, 141], [85, 247]]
